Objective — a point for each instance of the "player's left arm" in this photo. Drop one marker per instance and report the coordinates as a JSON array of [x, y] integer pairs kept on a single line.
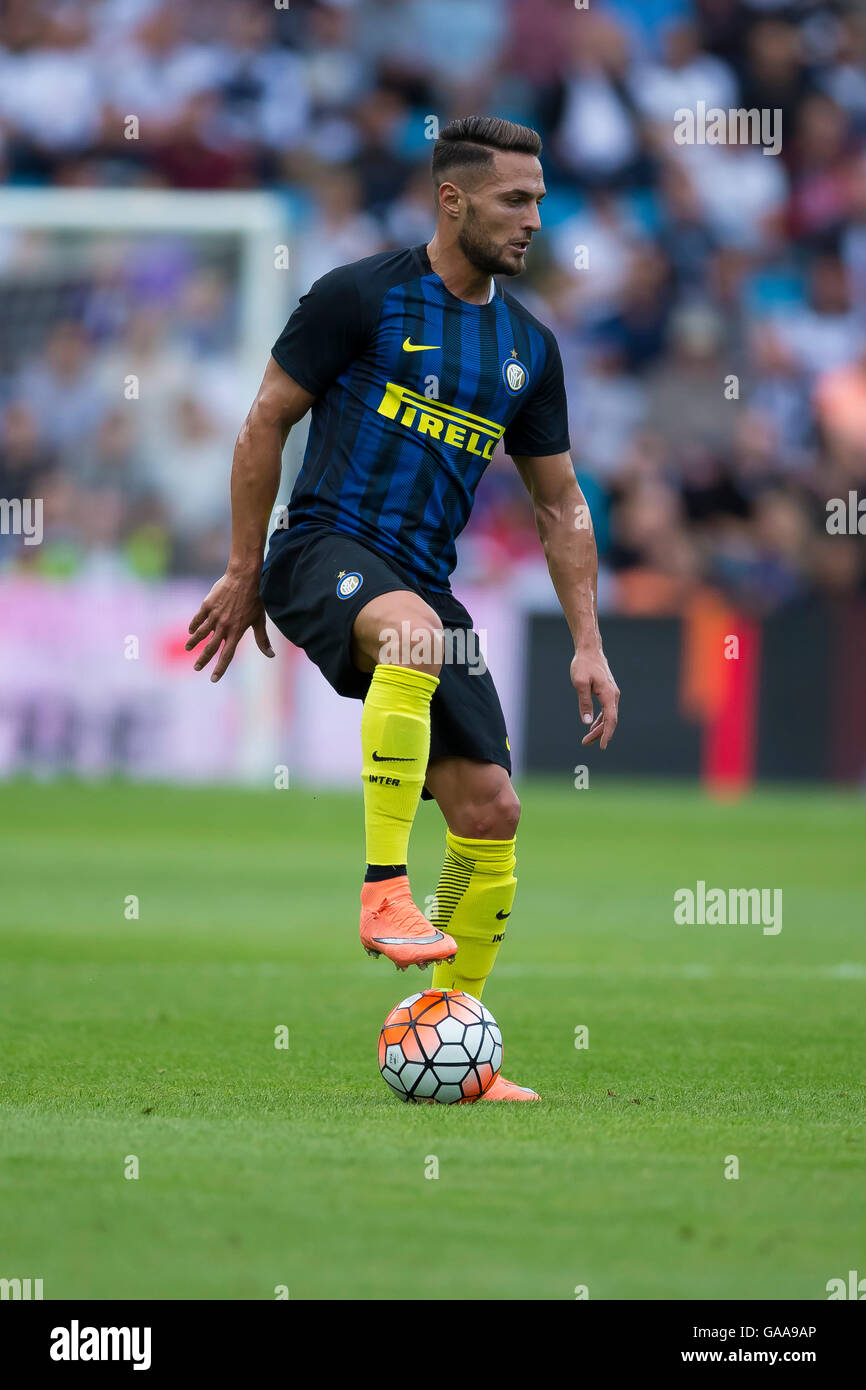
[[565, 529]]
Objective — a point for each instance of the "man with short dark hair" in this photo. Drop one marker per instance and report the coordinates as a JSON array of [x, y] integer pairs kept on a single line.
[[416, 363]]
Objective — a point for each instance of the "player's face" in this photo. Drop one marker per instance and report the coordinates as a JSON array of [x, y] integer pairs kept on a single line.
[[502, 215]]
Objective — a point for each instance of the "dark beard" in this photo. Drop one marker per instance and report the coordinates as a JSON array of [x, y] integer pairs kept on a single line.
[[479, 250]]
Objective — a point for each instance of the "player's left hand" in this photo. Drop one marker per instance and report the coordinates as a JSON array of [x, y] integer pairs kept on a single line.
[[591, 675], [232, 606]]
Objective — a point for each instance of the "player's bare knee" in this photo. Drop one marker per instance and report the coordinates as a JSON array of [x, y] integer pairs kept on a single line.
[[507, 813], [494, 818], [398, 629], [425, 646], [412, 636]]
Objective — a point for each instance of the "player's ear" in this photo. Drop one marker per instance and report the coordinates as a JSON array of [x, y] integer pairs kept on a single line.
[[450, 197]]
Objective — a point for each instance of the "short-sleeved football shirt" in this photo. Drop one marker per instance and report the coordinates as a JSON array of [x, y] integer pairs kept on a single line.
[[414, 389]]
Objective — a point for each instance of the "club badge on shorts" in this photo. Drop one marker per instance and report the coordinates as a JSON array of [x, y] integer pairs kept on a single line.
[[349, 583], [514, 374]]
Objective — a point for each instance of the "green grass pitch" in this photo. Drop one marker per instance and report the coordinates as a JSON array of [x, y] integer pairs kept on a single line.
[[261, 1167]]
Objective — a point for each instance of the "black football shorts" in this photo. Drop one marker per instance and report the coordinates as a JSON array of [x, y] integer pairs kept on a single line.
[[314, 585]]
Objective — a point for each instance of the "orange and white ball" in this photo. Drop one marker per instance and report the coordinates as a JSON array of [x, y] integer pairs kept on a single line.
[[440, 1045]]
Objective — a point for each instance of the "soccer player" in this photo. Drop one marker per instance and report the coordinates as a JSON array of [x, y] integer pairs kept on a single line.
[[415, 364]]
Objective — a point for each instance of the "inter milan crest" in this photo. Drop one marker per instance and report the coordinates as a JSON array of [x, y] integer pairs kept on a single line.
[[349, 584], [514, 375]]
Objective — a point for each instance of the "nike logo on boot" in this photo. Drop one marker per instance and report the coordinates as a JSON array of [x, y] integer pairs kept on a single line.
[[411, 940]]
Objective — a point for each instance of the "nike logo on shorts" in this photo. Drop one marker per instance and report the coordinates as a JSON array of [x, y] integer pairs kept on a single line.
[[379, 758]]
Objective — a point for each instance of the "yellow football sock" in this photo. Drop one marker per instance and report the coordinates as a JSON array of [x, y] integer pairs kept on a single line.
[[473, 901], [395, 743]]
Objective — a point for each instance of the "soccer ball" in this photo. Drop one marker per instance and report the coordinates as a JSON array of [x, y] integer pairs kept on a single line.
[[441, 1045]]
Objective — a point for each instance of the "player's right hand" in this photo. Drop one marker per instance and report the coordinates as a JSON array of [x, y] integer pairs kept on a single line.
[[232, 606]]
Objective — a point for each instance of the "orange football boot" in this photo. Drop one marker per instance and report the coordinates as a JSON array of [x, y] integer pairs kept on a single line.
[[505, 1090], [392, 926], [500, 1089]]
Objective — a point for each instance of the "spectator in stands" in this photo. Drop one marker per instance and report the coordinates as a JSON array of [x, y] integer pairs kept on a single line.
[[664, 269]]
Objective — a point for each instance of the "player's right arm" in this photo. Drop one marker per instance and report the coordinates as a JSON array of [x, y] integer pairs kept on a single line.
[[325, 332], [233, 603]]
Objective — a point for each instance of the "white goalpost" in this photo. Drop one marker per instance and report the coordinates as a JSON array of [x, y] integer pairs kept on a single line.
[[257, 220], [55, 247]]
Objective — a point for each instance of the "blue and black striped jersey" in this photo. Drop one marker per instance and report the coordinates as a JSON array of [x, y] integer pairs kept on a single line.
[[414, 388]]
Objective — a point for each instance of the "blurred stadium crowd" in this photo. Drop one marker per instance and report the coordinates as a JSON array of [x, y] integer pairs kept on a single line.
[[714, 343]]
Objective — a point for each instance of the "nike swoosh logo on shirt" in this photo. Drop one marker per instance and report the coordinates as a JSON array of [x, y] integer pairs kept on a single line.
[[409, 346], [378, 758]]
